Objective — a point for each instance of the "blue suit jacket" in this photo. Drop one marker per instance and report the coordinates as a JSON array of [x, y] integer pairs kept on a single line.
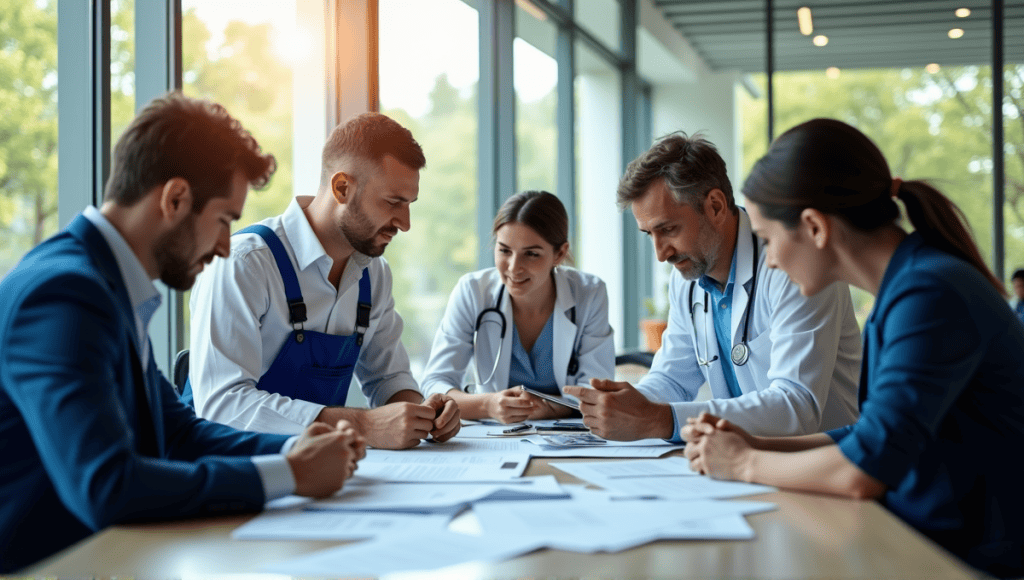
[[88, 439]]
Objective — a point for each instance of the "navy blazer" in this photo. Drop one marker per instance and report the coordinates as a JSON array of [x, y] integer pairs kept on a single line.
[[87, 439], [942, 409]]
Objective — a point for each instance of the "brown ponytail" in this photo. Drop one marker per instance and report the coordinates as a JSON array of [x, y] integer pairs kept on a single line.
[[834, 168]]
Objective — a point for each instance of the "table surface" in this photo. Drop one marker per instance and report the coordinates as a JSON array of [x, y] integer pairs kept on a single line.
[[809, 536]]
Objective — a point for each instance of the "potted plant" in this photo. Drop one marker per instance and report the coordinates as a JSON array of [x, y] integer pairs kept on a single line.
[[653, 325]]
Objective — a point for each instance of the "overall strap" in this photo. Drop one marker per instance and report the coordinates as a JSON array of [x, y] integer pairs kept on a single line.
[[296, 307], [363, 307]]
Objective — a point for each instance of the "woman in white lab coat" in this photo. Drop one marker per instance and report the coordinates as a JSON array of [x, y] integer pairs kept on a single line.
[[527, 321]]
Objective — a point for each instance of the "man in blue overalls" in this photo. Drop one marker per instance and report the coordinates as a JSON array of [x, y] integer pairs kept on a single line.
[[304, 302]]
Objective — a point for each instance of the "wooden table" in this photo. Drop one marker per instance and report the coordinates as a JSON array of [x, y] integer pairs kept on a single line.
[[809, 536]]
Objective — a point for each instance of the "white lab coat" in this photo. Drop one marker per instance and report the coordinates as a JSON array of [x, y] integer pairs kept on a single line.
[[452, 354], [804, 367]]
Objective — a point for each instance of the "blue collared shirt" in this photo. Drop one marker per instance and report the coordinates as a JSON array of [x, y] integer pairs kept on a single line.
[[721, 310]]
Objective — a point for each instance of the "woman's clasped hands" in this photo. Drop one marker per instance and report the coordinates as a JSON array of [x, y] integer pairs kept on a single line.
[[718, 448]]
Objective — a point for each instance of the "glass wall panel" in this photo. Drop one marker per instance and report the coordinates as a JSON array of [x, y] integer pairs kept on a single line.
[[598, 92], [122, 68], [535, 79], [600, 18], [247, 57], [917, 83], [28, 127], [1013, 133], [429, 70]]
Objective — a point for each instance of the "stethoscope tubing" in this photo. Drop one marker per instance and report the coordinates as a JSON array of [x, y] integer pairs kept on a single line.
[[740, 353]]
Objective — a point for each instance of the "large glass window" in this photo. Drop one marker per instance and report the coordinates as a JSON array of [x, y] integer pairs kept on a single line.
[[932, 120], [122, 68], [28, 127], [429, 72], [598, 90], [263, 62], [535, 76], [1013, 132], [240, 54]]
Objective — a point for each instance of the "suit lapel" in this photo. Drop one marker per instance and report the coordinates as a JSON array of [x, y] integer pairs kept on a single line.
[[143, 391]]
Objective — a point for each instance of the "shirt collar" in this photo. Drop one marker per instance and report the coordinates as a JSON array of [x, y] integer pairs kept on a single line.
[[138, 283], [305, 244]]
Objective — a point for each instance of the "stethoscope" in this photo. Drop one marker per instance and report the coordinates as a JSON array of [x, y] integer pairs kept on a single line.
[[574, 363], [741, 352]]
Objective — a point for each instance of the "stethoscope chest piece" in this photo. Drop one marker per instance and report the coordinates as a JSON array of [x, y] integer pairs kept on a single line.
[[740, 354]]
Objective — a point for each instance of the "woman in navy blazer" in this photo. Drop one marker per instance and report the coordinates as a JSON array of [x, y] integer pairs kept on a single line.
[[942, 387]]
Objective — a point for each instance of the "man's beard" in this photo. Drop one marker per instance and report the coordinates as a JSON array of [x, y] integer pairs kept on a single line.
[[173, 253], [706, 257], [359, 232]]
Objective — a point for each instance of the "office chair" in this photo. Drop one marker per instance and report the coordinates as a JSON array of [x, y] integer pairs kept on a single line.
[[180, 373], [636, 357]]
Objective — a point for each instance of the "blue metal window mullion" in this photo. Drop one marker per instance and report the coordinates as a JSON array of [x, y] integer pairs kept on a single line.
[[496, 170], [633, 254]]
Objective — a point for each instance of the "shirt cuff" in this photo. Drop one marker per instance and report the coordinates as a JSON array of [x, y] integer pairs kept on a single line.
[[676, 437], [275, 474]]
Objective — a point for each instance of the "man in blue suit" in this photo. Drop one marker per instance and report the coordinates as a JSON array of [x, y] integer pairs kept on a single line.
[[91, 433]]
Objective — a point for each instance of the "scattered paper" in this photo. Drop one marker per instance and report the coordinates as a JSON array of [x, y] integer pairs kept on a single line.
[[334, 525], [598, 471], [406, 552], [442, 468]]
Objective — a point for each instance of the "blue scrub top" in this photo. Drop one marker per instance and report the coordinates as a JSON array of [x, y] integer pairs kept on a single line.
[[535, 369], [942, 407]]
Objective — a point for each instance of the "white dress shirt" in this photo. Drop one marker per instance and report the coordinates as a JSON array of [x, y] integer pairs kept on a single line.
[[804, 366], [275, 474], [453, 353], [240, 322]]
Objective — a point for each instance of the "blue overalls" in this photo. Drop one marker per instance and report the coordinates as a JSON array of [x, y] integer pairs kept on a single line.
[[311, 366]]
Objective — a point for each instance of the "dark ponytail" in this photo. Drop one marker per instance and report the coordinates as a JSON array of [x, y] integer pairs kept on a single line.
[[832, 167], [943, 225]]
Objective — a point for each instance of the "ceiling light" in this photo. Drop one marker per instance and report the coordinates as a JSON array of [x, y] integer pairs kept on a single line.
[[962, 12], [955, 32], [821, 40], [932, 68], [832, 72], [803, 18]]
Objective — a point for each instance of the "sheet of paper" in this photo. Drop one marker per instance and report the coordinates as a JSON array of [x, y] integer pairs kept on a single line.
[[442, 467], [730, 527], [463, 446], [598, 471], [360, 494], [682, 487], [300, 524], [597, 525], [643, 448], [406, 552]]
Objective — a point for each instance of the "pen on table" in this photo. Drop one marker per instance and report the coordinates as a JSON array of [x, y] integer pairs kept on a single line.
[[518, 429]]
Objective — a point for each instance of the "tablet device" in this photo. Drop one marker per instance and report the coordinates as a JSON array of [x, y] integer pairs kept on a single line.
[[564, 400]]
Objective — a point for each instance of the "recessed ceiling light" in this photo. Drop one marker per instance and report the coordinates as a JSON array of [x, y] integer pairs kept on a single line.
[[955, 32], [803, 19], [822, 40], [832, 72], [932, 68], [962, 12]]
